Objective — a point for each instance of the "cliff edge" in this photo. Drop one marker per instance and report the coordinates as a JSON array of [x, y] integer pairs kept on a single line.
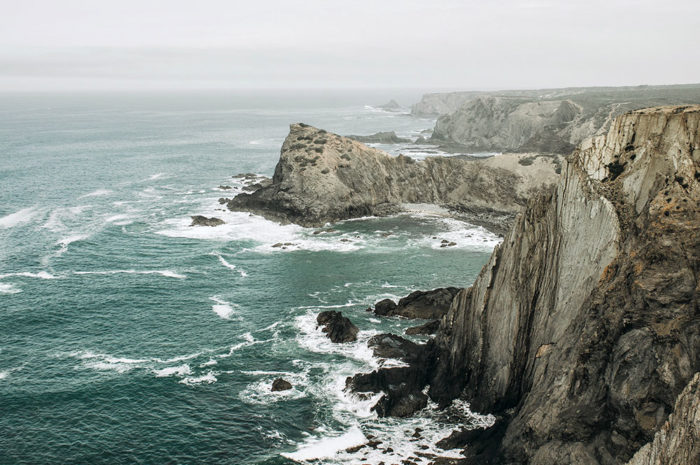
[[584, 326], [323, 177]]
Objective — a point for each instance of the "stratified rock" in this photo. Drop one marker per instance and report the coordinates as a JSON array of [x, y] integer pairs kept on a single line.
[[281, 385], [393, 346], [199, 220], [338, 328], [322, 177], [402, 388], [381, 138], [428, 328], [678, 440], [426, 305], [584, 324]]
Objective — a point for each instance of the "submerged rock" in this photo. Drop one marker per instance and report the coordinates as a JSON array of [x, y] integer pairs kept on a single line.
[[281, 385], [337, 327], [199, 220]]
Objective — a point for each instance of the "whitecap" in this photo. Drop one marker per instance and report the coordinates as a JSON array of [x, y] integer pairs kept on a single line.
[[222, 308], [27, 274], [230, 266], [14, 219], [4, 374], [7, 288], [165, 273], [204, 379], [328, 447], [180, 370], [153, 177], [96, 193]]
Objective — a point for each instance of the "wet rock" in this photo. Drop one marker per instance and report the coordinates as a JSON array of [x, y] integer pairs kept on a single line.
[[281, 385], [338, 328], [425, 329], [224, 187], [427, 305], [381, 138], [393, 346], [199, 220]]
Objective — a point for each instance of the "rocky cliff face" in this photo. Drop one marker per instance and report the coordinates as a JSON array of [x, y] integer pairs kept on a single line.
[[584, 326], [550, 121], [678, 440], [322, 177]]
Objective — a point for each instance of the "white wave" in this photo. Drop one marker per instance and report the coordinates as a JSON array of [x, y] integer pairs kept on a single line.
[[165, 273], [9, 289], [327, 448], [58, 215], [180, 370], [97, 193], [204, 379], [208, 363], [118, 219], [4, 374], [66, 241], [20, 217], [27, 274], [153, 177], [229, 265], [222, 308]]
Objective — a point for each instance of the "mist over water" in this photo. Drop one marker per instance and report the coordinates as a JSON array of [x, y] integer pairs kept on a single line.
[[129, 336]]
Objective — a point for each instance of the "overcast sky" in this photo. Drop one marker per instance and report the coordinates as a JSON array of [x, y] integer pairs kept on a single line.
[[449, 44]]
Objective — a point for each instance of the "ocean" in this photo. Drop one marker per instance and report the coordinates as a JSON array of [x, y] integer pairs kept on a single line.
[[128, 336]]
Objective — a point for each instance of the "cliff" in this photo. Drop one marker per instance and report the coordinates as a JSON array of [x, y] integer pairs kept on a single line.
[[322, 177], [584, 326], [547, 121]]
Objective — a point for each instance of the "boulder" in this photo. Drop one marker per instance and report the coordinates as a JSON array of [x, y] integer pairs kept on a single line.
[[281, 385], [426, 305], [337, 327], [199, 220], [425, 329]]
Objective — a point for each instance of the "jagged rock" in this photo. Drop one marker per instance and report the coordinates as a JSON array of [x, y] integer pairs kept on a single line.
[[393, 346], [281, 385], [678, 440], [584, 324], [199, 220], [322, 177], [338, 328], [222, 187], [401, 386], [381, 138], [428, 328], [426, 305]]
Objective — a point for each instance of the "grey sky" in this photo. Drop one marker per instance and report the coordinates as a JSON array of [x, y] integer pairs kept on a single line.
[[163, 44]]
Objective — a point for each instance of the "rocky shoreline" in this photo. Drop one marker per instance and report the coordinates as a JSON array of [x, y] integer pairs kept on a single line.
[[582, 333]]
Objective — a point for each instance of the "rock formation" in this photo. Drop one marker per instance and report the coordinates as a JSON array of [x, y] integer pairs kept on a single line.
[[545, 121], [391, 105], [584, 326], [322, 177], [426, 305], [389, 137], [280, 384], [337, 327], [199, 220]]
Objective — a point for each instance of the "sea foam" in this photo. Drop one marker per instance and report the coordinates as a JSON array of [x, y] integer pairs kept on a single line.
[[22, 216]]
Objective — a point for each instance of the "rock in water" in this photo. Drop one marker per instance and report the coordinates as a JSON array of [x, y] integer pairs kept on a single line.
[[391, 105], [583, 328], [338, 328], [381, 138], [322, 177], [199, 220], [393, 346], [426, 305], [428, 328], [281, 385]]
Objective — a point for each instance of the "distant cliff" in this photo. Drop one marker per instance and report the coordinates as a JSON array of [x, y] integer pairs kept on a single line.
[[322, 177], [584, 327], [546, 121]]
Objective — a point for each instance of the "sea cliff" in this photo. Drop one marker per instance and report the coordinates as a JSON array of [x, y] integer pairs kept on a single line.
[[323, 177]]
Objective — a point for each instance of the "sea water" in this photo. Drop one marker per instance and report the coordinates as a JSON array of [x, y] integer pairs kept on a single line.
[[128, 336]]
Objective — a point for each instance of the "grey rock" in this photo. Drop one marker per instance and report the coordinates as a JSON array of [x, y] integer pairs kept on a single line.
[[426, 305], [322, 177], [199, 220], [430, 327], [281, 385], [391, 105], [393, 346], [583, 326], [381, 138], [338, 328]]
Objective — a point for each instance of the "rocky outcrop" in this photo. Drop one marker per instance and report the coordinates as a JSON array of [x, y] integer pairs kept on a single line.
[[584, 327], [389, 137], [426, 305], [428, 328], [393, 346], [280, 384], [678, 440], [322, 177], [338, 328], [549, 121], [199, 220], [391, 105]]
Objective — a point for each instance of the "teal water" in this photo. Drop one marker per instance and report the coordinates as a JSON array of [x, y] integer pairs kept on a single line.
[[127, 336]]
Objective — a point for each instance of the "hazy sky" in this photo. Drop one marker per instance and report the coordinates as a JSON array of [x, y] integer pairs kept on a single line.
[[450, 44]]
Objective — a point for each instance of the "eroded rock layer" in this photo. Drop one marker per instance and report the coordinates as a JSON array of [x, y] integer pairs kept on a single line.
[[322, 177], [584, 326]]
